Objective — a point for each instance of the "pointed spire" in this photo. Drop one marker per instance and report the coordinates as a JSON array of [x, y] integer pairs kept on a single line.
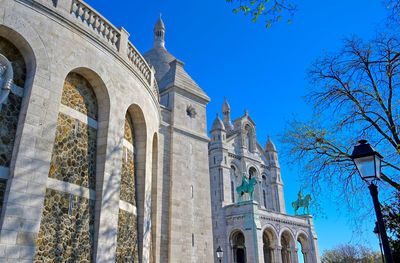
[[159, 32], [226, 108], [226, 115], [269, 146]]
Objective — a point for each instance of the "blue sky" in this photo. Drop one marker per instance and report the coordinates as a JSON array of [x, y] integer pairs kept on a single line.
[[258, 69]]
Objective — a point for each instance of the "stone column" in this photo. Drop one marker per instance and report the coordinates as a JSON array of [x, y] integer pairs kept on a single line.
[[277, 255], [293, 255], [306, 254]]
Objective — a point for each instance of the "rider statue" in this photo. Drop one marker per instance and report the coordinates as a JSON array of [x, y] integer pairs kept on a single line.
[[299, 195], [302, 202], [244, 179], [247, 186]]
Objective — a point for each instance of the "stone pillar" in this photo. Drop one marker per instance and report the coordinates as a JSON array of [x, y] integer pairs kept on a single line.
[[293, 255], [122, 45], [306, 255], [277, 255]]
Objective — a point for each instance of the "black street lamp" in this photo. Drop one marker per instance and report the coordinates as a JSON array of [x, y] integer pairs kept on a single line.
[[220, 253], [368, 163]]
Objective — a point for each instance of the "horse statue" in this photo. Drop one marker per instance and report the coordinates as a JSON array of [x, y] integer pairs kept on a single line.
[[302, 202], [246, 187]]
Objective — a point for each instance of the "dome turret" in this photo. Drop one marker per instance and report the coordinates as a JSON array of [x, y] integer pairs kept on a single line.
[[218, 124], [159, 31]]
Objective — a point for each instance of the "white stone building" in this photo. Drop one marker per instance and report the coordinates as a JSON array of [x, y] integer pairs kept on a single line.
[[104, 151], [96, 142], [256, 230]]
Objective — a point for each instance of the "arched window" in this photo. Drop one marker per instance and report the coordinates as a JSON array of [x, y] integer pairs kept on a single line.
[[73, 163], [264, 190], [287, 244], [252, 172], [232, 191], [264, 198], [233, 183], [127, 245], [269, 243], [238, 247]]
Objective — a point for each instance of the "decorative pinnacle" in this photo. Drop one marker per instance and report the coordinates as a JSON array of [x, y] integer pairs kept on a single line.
[[246, 112]]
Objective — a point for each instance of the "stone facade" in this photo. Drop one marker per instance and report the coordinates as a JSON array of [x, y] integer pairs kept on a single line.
[[66, 229], [257, 230], [94, 142]]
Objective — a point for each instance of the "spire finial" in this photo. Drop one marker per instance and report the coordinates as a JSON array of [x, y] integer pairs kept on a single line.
[[246, 112], [159, 31], [160, 15]]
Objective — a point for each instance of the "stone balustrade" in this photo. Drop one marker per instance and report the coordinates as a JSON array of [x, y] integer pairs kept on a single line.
[[96, 22], [139, 62], [100, 29]]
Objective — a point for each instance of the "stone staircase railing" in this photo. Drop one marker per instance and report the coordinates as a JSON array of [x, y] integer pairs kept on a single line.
[[89, 21]]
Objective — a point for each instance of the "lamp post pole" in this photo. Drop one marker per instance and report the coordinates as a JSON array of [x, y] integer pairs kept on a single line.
[[381, 226], [368, 163], [378, 235]]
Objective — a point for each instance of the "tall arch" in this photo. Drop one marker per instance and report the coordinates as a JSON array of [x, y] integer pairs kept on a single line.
[[131, 210], [234, 183], [67, 225], [303, 240], [287, 247], [270, 242], [238, 246], [17, 66]]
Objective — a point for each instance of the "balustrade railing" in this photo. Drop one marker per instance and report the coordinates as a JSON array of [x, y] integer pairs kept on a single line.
[[139, 62], [96, 22], [107, 32]]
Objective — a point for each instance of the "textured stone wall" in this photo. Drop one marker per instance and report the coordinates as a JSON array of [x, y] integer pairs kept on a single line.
[[127, 245], [67, 224], [78, 94], [127, 248], [74, 152], [128, 189], [66, 230]]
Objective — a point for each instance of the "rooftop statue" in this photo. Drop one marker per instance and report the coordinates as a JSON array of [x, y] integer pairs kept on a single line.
[[247, 186], [301, 202]]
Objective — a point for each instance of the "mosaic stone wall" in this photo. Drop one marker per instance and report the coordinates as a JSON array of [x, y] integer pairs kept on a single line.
[[79, 95], [10, 109], [128, 189], [129, 134], [66, 229], [3, 184], [74, 152], [127, 246]]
